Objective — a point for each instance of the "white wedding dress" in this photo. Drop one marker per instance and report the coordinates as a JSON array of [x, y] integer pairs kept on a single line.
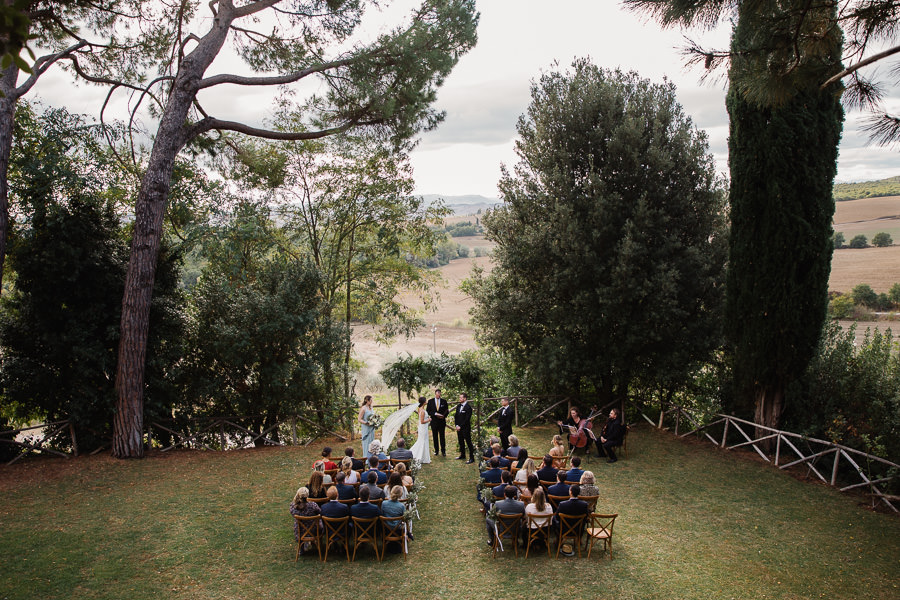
[[421, 450]]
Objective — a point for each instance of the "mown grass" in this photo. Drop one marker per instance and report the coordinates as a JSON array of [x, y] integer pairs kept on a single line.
[[694, 523]]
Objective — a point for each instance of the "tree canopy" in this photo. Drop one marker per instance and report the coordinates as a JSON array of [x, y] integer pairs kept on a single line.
[[610, 256]]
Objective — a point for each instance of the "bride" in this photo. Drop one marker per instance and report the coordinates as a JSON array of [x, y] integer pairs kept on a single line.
[[421, 449]]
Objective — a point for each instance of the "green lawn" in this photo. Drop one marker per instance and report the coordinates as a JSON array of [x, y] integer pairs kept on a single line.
[[694, 522]]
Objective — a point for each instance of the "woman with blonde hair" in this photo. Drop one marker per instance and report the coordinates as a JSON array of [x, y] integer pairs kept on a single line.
[[404, 474], [527, 469], [539, 507], [316, 487], [320, 467], [302, 507], [350, 476], [558, 451], [588, 486]]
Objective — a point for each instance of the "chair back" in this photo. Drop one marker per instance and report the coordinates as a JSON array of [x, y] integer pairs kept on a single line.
[[348, 501], [376, 501], [546, 484], [331, 472], [507, 528], [570, 527], [393, 529], [397, 461], [538, 528], [601, 528], [591, 501], [555, 500], [384, 464], [366, 533], [335, 531], [307, 531]]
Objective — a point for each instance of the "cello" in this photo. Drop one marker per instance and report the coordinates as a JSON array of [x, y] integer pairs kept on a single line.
[[580, 435]]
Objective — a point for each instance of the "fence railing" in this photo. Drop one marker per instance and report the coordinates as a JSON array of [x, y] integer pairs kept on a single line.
[[37, 444], [791, 450]]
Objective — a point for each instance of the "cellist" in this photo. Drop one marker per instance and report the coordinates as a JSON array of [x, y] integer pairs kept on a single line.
[[579, 437]]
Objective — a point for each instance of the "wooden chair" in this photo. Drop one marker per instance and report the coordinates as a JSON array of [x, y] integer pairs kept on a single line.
[[560, 462], [348, 501], [591, 501], [376, 501], [571, 527], [331, 472], [335, 532], [555, 500], [319, 501], [365, 532], [308, 529], [392, 532], [601, 528], [384, 464], [506, 526], [397, 461], [537, 532], [546, 484], [513, 470]]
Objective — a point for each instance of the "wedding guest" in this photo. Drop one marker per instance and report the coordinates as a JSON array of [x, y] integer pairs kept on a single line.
[[508, 506], [350, 476], [344, 491], [572, 506], [401, 452], [404, 474], [574, 474], [381, 476], [497, 452], [489, 451], [302, 507], [326, 459], [513, 450], [588, 487], [547, 472], [375, 492], [376, 451], [539, 507], [365, 509], [559, 488], [392, 507], [523, 464], [395, 480], [333, 509], [558, 451], [316, 485], [320, 467], [493, 474], [358, 463], [505, 480], [530, 486]]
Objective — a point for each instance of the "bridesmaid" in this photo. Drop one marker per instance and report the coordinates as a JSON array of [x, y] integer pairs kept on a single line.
[[368, 432]]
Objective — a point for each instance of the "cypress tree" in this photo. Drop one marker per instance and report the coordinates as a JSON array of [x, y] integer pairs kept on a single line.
[[782, 159]]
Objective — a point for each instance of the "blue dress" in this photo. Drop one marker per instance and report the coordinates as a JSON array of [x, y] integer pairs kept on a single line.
[[368, 432]]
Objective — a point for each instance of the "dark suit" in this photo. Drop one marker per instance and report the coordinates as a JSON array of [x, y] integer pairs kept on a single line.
[[572, 506], [375, 492], [505, 507], [438, 425], [503, 462], [382, 476], [463, 418], [491, 475], [345, 492], [574, 475], [547, 473], [613, 432], [334, 509], [358, 464], [504, 424], [401, 454], [366, 510], [558, 489]]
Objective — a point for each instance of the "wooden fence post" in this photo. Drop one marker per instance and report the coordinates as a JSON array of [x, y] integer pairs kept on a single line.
[[74, 442], [516, 410]]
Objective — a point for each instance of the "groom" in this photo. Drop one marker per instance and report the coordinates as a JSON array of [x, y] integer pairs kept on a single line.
[[463, 417], [438, 410]]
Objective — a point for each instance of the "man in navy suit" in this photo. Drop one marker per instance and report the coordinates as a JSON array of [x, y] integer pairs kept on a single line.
[[365, 509], [494, 474], [572, 506], [463, 418], [559, 488], [496, 451], [504, 423], [381, 476], [333, 509], [508, 506], [344, 491], [438, 410], [505, 480], [548, 471], [575, 473]]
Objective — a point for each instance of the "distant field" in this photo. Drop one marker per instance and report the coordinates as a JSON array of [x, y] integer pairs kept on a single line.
[[879, 267], [868, 216]]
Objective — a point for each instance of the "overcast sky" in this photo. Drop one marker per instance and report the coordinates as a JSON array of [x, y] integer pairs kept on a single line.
[[490, 87], [518, 39]]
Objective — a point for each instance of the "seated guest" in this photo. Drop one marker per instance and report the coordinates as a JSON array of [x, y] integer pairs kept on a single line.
[[401, 452], [588, 487], [493, 474], [404, 474], [572, 506], [574, 474], [302, 507], [548, 471], [505, 480], [558, 451], [344, 491], [530, 487], [395, 480], [393, 507], [358, 463], [508, 506], [373, 468], [489, 451], [559, 488], [333, 509], [498, 453], [326, 459], [513, 450], [350, 476], [316, 485], [527, 469], [365, 509], [375, 492], [320, 467], [376, 451], [539, 507], [521, 458]]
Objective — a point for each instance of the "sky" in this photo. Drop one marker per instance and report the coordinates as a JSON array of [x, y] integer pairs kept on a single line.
[[490, 88]]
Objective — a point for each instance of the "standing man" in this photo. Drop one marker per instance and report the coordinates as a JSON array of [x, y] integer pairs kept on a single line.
[[463, 418], [438, 410], [504, 423]]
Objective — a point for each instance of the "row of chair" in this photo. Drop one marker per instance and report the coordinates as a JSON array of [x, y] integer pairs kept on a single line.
[[538, 528], [330, 531], [384, 464]]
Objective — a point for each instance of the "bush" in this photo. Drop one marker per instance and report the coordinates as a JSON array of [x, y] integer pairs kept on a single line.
[[894, 294], [859, 241], [838, 239], [463, 251], [840, 307], [865, 295], [882, 239]]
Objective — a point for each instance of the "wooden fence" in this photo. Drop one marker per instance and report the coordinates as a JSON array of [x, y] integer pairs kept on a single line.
[[37, 445]]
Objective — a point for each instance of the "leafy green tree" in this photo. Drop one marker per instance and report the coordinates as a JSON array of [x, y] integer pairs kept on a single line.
[[389, 83], [610, 240], [859, 241], [781, 206], [894, 294], [838, 240], [882, 239], [865, 295], [841, 307]]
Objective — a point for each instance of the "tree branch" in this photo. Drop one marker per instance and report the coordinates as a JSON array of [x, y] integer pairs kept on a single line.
[[253, 8], [274, 79], [42, 64], [860, 65], [210, 123]]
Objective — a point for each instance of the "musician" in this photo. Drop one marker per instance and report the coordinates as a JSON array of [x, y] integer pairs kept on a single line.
[[610, 436], [577, 428]]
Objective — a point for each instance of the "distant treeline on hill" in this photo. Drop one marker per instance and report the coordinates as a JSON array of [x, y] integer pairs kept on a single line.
[[867, 189]]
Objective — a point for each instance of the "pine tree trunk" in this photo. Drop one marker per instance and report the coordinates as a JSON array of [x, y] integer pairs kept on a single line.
[[769, 406], [7, 120]]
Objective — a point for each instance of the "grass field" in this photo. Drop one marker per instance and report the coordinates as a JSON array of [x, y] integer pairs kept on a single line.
[[694, 522]]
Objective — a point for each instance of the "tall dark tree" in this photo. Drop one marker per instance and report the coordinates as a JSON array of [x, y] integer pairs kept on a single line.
[[611, 245], [783, 160]]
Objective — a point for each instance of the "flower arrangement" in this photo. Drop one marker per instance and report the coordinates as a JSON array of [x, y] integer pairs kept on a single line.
[[375, 420], [414, 467]]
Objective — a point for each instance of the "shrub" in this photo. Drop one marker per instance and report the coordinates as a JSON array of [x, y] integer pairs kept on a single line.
[[894, 294], [865, 295], [840, 307], [838, 239], [463, 251], [859, 241], [882, 239]]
